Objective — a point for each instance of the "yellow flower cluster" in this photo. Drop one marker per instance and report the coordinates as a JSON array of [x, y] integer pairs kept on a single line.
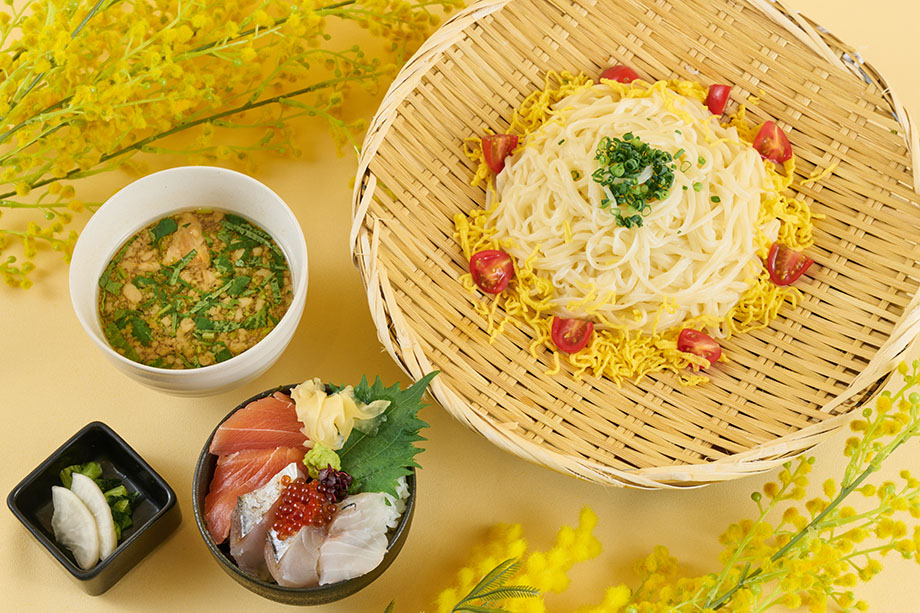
[[546, 571], [811, 555], [88, 85]]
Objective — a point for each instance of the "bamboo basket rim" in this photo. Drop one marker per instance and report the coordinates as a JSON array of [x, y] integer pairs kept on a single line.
[[403, 344]]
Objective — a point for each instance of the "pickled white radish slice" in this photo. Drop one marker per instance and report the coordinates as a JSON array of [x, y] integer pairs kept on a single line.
[[75, 527], [92, 496]]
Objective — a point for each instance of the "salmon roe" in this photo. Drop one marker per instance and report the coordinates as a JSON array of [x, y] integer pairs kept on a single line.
[[302, 504]]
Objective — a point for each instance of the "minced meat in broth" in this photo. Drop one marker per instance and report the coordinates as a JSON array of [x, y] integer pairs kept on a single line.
[[193, 289]]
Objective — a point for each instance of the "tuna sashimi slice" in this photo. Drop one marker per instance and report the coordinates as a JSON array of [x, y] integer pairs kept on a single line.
[[262, 424], [240, 473]]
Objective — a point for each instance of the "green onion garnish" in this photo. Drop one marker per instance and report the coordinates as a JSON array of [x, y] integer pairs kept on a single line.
[[621, 162]]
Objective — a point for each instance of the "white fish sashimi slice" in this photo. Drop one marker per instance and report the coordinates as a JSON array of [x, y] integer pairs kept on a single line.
[[74, 527], [292, 562], [249, 551], [251, 519], [94, 499], [357, 538]]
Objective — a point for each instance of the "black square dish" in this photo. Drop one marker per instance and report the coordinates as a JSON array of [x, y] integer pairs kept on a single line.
[[156, 514]]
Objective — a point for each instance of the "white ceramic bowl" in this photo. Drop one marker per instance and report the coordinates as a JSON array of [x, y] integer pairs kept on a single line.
[[154, 197]]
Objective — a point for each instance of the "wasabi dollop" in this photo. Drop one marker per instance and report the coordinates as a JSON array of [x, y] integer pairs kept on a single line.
[[319, 457]]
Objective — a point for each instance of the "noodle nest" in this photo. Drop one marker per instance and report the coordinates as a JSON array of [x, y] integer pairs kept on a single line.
[[696, 261]]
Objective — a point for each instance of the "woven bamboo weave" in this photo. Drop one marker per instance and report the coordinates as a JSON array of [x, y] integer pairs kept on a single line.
[[786, 386]]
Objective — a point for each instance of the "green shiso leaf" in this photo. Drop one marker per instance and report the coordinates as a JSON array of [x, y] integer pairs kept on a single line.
[[141, 331], [224, 265], [209, 300], [165, 227], [259, 319], [105, 279], [238, 285], [376, 462], [178, 266], [248, 231], [117, 340]]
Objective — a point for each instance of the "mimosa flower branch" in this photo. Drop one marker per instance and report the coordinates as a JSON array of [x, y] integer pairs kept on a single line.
[[792, 553], [86, 86]]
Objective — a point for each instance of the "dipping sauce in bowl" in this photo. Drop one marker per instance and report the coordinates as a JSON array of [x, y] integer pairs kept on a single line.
[[250, 210], [193, 289]]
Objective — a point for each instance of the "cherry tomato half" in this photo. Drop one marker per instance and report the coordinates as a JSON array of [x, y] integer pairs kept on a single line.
[[717, 98], [771, 143], [496, 147], [785, 265], [492, 270], [571, 335], [699, 343], [620, 74]]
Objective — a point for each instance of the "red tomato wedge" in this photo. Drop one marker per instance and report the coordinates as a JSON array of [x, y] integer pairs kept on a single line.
[[699, 343], [771, 143], [620, 74], [492, 270], [717, 98], [785, 265], [571, 335], [496, 147]]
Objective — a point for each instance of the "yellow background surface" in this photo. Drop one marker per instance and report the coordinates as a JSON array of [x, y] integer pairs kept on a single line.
[[54, 381]]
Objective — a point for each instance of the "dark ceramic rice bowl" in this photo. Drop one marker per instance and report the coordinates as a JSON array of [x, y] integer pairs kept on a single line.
[[322, 594]]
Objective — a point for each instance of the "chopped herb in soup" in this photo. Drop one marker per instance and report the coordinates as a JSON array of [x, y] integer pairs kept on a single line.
[[193, 289]]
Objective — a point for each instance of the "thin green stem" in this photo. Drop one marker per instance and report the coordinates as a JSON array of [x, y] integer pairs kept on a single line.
[[139, 145], [866, 552], [38, 79], [721, 600], [737, 555], [186, 55], [771, 600], [12, 204], [846, 491]]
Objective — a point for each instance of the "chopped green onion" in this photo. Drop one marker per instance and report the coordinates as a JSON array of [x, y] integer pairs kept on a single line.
[[715, 199], [621, 162]]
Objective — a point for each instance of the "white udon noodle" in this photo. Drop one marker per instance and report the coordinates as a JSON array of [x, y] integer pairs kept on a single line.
[[693, 254]]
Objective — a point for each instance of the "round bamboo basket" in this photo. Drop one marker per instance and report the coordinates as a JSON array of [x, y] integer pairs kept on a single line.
[[787, 386]]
